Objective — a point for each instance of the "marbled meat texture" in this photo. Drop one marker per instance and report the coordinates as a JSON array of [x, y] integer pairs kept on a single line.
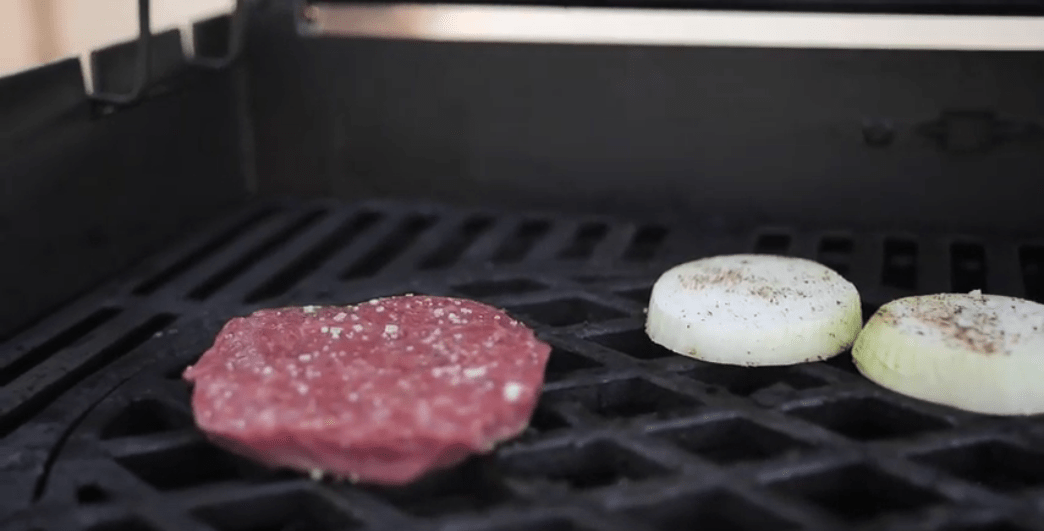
[[382, 392]]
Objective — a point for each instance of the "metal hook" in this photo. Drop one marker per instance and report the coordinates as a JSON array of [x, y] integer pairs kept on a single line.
[[143, 63], [236, 33]]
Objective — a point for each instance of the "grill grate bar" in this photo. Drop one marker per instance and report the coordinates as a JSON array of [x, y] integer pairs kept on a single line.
[[968, 266], [798, 513], [584, 241], [320, 224], [1031, 260], [934, 271], [835, 251], [804, 245], [234, 272], [485, 247], [311, 260], [64, 339], [451, 249], [330, 273], [616, 243], [150, 443], [1003, 272], [901, 265], [389, 248], [519, 245], [287, 254], [237, 227], [557, 238], [773, 241], [645, 242], [33, 390], [221, 259], [867, 267], [442, 242]]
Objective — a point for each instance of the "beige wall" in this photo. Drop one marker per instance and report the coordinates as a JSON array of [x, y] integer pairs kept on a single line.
[[38, 31]]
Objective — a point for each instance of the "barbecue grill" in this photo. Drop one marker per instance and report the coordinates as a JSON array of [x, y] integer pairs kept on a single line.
[[331, 153]]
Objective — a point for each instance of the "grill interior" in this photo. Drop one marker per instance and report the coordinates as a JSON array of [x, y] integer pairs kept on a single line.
[[97, 433]]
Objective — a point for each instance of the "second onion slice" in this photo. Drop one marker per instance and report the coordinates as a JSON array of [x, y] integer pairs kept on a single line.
[[981, 353]]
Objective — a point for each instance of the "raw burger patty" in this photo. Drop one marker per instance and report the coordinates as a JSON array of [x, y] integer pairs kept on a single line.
[[381, 393]]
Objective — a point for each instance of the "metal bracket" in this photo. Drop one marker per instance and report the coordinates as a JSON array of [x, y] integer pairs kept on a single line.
[[236, 36], [143, 61]]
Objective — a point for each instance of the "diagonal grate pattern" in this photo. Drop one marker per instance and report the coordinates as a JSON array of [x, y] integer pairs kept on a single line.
[[626, 436]]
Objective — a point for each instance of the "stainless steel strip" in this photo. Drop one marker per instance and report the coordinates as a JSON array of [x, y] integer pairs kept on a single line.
[[670, 27]]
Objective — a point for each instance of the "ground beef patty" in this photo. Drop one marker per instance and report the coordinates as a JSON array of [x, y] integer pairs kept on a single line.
[[381, 392]]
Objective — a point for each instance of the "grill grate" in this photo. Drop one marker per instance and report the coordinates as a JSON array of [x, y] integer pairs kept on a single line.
[[626, 435]]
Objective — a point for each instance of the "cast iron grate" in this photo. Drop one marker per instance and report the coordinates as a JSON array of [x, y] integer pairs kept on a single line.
[[122, 525], [470, 487], [182, 467], [626, 434], [579, 467], [624, 398], [900, 263], [566, 312], [718, 510], [994, 464], [144, 417], [564, 363], [983, 526], [747, 381], [858, 493], [552, 524], [289, 511], [633, 343], [729, 441], [869, 419]]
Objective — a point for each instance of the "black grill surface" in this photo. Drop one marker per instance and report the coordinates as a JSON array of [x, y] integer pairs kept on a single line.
[[97, 433]]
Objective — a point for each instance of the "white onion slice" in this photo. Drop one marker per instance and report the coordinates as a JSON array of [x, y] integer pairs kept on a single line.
[[754, 310], [980, 353]]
